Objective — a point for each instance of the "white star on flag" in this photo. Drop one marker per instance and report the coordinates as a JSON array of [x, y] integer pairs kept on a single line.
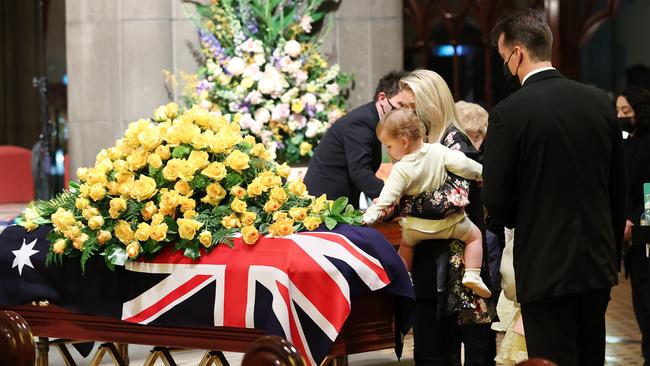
[[23, 256]]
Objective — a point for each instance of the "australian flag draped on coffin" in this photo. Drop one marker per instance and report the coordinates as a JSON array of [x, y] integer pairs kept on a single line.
[[299, 286]]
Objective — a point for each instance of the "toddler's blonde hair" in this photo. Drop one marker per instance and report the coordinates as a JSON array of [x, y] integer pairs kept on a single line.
[[401, 122]]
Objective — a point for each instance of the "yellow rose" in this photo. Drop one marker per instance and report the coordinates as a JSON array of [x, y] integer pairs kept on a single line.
[[157, 218], [96, 222], [230, 221], [198, 159], [62, 219], [154, 161], [250, 140], [118, 205], [255, 189], [137, 160], [258, 150], [280, 216], [283, 170], [103, 237], [238, 192], [269, 180], [72, 232], [95, 176], [319, 204], [183, 188], [89, 212], [148, 210], [159, 114], [297, 106], [250, 235], [59, 246], [205, 238], [238, 205], [133, 249], [216, 171], [312, 222], [215, 191], [124, 177], [81, 203], [305, 148], [81, 174], [143, 231], [281, 228], [248, 218], [238, 161], [298, 188], [171, 110], [163, 151], [159, 232], [78, 242], [143, 188], [172, 169], [97, 192], [187, 204], [298, 213], [187, 228], [169, 199], [189, 214], [113, 188], [271, 206], [279, 194], [29, 225], [120, 166], [123, 232]]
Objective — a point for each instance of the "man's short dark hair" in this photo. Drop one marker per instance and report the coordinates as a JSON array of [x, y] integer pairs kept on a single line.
[[526, 28], [389, 84]]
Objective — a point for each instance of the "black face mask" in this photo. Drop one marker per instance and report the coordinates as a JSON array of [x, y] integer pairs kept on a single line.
[[626, 124], [511, 80]]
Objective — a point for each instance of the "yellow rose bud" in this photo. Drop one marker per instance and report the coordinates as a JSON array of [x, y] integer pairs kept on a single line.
[[277, 216], [163, 151], [159, 114], [143, 231], [216, 191], [59, 246], [89, 212], [189, 214], [205, 238], [279, 194], [159, 232], [171, 109], [137, 160], [148, 211], [103, 237], [298, 188], [97, 192], [118, 204], [250, 140], [230, 221], [258, 150], [269, 180], [282, 228], [298, 213], [183, 188], [318, 204], [283, 170], [312, 222], [305, 148], [62, 219], [187, 228], [123, 232], [78, 242], [157, 219], [238, 161], [250, 235], [133, 249], [271, 206], [169, 199], [72, 232], [172, 169], [96, 222], [238, 205], [238, 192], [216, 171], [198, 159], [81, 203], [143, 188], [120, 166], [81, 174], [248, 218], [29, 225], [155, 161]]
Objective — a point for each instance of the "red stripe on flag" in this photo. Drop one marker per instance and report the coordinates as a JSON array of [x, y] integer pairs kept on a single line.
[[295, 335], [174, 295]]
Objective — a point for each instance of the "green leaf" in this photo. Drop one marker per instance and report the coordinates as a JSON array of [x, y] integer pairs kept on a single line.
[[203, 10], [200, 182], [181, 151], [339, 205], [317, 16], [349, 210], [192, 251], [330, 223], [297, 139], [117, 256]]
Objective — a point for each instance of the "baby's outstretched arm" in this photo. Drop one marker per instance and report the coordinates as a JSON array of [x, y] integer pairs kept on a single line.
[[392, 191]]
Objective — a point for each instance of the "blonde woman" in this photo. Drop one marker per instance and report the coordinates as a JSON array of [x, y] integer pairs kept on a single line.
[[435, 337]]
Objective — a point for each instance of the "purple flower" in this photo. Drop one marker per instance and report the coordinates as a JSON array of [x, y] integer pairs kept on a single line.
[[203, 86], [211, 44]]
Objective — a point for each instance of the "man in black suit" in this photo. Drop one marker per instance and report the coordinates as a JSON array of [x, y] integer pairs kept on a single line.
[[552, 170], [348, 156]]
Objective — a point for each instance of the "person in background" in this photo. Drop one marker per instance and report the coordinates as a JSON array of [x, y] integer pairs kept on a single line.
[[633, 109], [474, 121], [349, 154], [553, 162]]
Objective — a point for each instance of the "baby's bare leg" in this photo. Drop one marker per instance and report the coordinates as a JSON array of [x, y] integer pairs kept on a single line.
[[473, 248], [473, 257]]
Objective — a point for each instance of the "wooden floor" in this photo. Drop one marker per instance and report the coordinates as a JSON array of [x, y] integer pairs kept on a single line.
[[623, 342]]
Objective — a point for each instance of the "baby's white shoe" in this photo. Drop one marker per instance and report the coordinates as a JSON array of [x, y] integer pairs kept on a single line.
[[472, 280]]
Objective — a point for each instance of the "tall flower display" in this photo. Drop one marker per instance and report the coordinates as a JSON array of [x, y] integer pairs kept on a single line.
[[262, 68], [189, 179]]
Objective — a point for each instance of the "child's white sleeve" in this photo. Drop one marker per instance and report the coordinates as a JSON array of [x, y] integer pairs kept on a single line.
[[459, 164], [392, 191]]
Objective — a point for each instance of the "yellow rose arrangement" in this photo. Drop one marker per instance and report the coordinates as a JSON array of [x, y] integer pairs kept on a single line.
[[187, 179]]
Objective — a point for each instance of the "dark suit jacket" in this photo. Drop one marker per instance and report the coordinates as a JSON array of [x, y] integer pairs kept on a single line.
[[347, 158], [637, 155], [552, 170]]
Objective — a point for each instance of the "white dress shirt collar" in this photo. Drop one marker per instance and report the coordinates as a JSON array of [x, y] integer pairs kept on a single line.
[[531, 73]]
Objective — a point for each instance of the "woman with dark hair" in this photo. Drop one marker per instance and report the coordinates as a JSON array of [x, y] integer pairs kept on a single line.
[[633, 110]]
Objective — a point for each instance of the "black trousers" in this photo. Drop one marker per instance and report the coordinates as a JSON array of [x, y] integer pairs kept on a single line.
[[639, 268], [568, 330], [437, 340]]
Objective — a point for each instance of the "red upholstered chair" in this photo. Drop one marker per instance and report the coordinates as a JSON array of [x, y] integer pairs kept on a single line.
[[16, 181]]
